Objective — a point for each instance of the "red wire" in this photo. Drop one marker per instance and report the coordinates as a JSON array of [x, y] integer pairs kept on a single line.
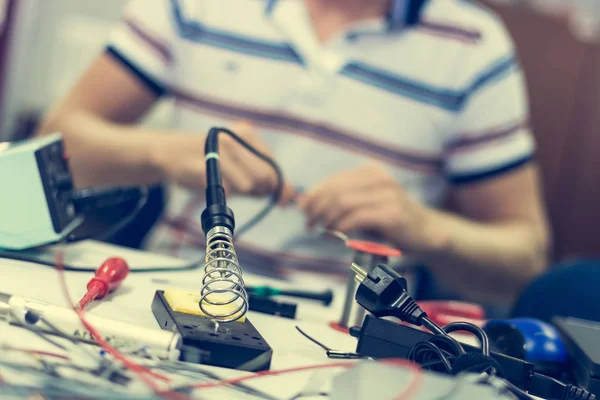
[[416, 382], [38, 352], [139, 370], [410, 391], [270, 373]]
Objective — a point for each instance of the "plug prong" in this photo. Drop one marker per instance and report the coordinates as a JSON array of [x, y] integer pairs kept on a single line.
[[361, 274]]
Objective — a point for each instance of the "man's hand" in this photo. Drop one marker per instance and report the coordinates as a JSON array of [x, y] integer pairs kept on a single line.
[[181, 158], [369, 199]]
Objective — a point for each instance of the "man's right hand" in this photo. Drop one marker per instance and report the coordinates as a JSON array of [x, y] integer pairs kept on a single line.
[[181, 159]]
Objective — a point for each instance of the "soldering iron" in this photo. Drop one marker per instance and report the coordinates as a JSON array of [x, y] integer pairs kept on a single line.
[[223, 294], [213, 322]]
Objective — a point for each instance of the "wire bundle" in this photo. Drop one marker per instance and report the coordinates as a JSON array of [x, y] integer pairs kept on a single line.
[[441, 351]]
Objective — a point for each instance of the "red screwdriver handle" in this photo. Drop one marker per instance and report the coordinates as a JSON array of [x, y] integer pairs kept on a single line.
[[112, 272], [109, 277]]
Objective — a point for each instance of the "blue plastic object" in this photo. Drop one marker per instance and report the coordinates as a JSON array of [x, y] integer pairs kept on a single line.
[[528, 339]]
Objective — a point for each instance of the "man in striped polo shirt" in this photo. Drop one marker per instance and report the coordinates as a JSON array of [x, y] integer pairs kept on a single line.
[[379, 109]]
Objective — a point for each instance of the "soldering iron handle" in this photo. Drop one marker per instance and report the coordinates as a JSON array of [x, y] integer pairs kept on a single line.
[[326, 296]]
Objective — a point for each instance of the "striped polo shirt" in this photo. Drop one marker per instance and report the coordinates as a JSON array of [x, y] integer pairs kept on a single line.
[[440, 102]]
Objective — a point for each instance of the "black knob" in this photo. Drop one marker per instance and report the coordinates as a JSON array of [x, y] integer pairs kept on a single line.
[[63, 182], [355, 331]]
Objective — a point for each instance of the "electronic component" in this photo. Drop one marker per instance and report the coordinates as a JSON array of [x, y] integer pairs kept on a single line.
[[581, 338], [326, 296], [36, 207], [108, 278], [235, 345], [21, 311]]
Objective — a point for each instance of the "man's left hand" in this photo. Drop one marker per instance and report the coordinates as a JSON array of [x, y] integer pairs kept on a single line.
[[369, 199]]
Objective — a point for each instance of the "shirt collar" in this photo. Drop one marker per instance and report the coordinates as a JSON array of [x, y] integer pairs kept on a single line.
[[396, 19]]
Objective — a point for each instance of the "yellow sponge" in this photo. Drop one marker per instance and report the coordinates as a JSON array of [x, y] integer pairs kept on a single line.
[[186, 302]]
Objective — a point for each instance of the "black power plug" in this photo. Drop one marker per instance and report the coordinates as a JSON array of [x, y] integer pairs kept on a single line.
[[383, 292]]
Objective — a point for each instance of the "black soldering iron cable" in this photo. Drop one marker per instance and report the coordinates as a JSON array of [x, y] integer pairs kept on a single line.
[[213, 173]]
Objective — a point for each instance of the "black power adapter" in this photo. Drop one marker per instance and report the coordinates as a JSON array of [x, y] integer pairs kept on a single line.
[[383, 293]]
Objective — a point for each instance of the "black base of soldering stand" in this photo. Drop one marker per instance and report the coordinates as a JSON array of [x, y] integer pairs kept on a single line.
[[236, 345]]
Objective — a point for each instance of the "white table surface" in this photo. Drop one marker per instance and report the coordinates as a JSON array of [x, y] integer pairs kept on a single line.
[[132, 304]]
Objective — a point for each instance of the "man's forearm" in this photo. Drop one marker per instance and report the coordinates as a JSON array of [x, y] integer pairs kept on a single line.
[[102, 153], [485, 261]]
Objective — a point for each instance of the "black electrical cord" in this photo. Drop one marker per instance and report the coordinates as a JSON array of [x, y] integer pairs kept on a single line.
[[449, 344], [475, 330], [214, 176], [456, 348], [42, 335], [309, 394], [33, 258], [114, 229], [315, 341], [433, 327], [424, 353]]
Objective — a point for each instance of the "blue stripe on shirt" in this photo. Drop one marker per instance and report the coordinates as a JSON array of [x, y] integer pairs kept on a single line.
[[197, 32], [452, 100], [497, 71], [443, 98], [461, 179]]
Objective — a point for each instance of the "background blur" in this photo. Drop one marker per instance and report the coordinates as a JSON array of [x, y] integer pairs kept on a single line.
[[45, 45]]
